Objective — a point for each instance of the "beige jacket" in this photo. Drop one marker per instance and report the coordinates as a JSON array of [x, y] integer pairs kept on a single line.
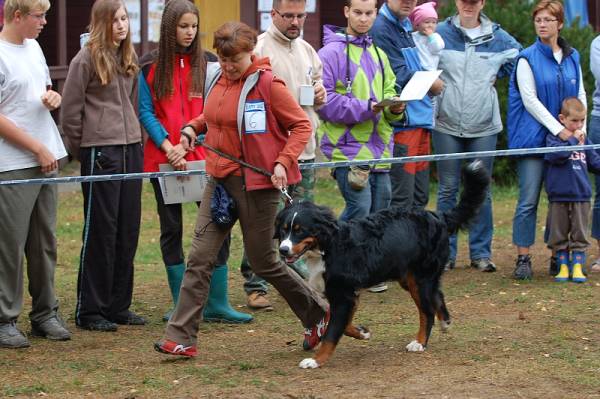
[[95, 115], [291, 61]]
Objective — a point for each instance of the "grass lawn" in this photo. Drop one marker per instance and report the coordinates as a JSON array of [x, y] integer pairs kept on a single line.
[[508, 340]]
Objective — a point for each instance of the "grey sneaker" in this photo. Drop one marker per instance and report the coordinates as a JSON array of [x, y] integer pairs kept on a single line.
[[523, 268], [451, 264], [484, 265], [11, 337], [53, 329]]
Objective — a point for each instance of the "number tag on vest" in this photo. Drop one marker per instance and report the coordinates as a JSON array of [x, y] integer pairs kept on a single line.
[[255, 117]]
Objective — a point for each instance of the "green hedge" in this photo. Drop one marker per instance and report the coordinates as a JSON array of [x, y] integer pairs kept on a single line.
[[515, 17]]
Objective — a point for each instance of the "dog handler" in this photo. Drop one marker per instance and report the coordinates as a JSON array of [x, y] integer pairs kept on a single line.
[[243, 123]]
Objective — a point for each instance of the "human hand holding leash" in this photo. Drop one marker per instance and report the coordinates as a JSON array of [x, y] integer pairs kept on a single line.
[[188, 138], [279, 177]]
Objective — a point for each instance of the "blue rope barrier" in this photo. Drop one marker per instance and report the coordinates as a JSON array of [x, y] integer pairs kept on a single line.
[[314, 165]]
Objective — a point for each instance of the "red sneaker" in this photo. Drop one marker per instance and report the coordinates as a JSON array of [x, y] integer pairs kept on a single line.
[[313, 335], [173, 348]]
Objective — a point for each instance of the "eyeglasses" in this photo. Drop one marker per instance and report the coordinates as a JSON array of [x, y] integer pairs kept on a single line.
[[545, 21], [289, 17], [37, 16]]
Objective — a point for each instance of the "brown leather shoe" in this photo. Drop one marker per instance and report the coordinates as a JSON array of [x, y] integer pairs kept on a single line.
[[258, 300]]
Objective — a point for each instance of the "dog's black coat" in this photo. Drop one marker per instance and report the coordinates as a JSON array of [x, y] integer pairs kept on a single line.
[[392, 244]]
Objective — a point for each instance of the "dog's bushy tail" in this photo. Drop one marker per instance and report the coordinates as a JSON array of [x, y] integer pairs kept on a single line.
[[476, 181]]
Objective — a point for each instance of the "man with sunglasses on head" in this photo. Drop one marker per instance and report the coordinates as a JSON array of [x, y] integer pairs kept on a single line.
[[298, 65]]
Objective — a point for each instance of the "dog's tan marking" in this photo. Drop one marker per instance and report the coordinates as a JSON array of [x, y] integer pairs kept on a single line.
[[302, 245], [325, 351], [353, 331], [414, 293]]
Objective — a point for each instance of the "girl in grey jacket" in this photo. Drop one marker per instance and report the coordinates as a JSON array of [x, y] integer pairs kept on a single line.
[[103, 132]]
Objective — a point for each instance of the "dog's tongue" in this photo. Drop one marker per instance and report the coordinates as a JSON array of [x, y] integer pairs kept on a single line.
[[290, 259]]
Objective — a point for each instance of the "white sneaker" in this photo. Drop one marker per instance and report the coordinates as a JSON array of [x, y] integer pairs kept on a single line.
[[381, 287]]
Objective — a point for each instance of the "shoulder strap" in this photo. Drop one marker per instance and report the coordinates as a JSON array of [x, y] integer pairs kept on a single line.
[[213, 72], [264, 84]]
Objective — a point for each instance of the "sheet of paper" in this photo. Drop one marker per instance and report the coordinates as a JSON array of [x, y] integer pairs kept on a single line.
[[418, 86], [177, 190]]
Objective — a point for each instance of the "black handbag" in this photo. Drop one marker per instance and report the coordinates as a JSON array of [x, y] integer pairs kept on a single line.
[[223, 209]]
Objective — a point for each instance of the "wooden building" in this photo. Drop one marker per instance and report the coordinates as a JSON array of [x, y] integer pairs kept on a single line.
[[67, 19]]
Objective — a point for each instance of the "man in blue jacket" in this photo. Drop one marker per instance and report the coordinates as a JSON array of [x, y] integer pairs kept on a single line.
[[412, 136]]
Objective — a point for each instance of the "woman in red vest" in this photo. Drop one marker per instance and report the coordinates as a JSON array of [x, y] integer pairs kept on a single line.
[[248, 114], [171, 85]]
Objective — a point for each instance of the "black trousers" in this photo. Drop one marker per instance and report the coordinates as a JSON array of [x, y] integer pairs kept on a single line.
[[112, 211]]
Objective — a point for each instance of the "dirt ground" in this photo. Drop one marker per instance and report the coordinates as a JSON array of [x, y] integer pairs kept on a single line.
[[536, 339], [507, 340]]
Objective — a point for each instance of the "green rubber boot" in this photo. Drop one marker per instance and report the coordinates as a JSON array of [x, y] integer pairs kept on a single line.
[[174, 276], [217, 309]]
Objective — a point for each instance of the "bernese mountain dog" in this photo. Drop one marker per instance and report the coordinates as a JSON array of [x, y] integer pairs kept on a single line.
[[410, 247]]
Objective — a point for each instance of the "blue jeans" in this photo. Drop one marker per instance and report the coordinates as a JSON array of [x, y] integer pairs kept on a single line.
[[375, 196], [531, 175], [449, 172], [594, 135]]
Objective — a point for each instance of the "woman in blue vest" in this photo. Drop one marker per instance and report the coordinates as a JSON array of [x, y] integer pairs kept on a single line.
[[547, 72]]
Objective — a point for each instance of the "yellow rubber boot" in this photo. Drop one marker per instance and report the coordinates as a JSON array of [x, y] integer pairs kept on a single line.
[[577, 269], [563, 264]]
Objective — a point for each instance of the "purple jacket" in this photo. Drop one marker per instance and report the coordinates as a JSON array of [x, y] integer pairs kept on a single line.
[[350, 130]]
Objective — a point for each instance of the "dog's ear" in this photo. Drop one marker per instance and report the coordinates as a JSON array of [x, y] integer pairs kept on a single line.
[[325, 225]]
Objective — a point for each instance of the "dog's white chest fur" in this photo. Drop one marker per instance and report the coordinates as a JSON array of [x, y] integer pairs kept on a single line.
[[316, 267]]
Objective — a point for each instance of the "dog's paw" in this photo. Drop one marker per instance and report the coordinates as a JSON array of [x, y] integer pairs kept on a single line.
[[414, 346], [364, 332], [308, 363], [445, 325]]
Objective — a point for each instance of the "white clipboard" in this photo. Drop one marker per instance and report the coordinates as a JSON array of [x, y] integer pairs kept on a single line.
[[189, 189]]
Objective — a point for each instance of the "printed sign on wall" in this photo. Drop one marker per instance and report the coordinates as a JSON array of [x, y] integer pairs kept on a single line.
[[155, 10], [134, 11], [1, 13]]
